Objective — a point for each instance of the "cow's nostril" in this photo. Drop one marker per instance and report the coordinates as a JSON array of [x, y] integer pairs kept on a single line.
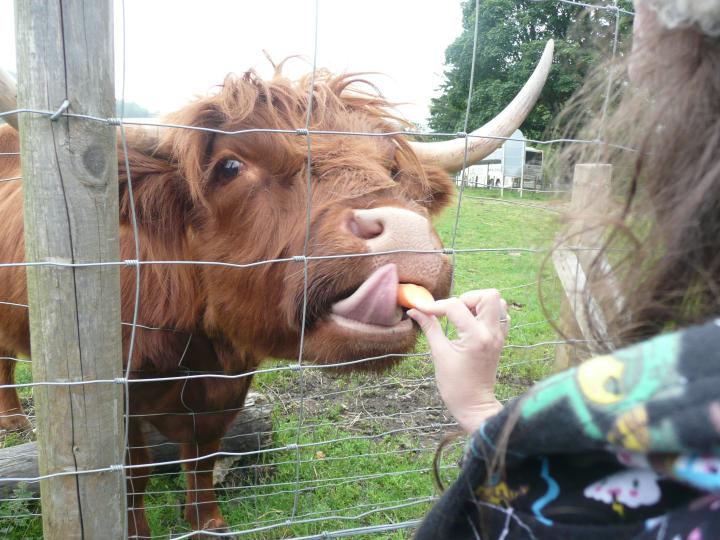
[[364, 226]]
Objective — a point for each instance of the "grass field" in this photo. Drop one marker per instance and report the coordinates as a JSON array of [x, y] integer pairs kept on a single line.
[[366, 442]]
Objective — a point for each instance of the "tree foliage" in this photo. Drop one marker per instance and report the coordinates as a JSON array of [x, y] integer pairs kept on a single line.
[[512, 36]]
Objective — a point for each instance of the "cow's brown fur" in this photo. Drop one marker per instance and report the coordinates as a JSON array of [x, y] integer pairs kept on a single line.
[[218, 319]]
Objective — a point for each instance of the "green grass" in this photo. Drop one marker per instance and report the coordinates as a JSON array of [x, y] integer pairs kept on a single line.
[[371, 438]]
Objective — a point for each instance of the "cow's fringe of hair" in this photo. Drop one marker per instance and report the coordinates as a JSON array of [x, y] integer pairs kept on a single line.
[[249, 101]]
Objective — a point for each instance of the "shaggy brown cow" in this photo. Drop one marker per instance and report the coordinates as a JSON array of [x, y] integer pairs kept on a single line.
[[243, 198]]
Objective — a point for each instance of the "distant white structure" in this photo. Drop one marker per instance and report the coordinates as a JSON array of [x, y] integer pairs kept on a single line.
[[513, 165]]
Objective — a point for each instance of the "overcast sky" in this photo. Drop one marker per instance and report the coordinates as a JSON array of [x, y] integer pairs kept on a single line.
[[176, 49]]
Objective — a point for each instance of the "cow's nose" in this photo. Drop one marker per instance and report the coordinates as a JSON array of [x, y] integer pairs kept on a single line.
[[364, 225], [389, 228]]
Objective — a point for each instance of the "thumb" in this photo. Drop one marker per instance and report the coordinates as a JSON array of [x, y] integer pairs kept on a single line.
[[430, 325]]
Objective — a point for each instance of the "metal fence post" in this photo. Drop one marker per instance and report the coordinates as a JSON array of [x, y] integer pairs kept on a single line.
[[69, 169]]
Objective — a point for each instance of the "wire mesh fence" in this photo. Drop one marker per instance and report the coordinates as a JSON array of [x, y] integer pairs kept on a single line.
[[330, 452]]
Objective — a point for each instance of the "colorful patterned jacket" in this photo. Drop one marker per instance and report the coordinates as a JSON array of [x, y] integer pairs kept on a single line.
[[625, 446]]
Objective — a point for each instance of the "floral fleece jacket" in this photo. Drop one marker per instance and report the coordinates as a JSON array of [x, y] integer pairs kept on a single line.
[[625, 446]]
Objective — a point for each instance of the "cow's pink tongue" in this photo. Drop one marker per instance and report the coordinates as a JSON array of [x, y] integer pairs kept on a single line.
[[375, 301]]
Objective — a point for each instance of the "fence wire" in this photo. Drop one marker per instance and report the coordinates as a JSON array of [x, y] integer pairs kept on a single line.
[[327, 431]]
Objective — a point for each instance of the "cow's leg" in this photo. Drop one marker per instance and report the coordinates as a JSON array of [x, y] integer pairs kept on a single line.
[[201, 508], [12, 417], [137, 480]]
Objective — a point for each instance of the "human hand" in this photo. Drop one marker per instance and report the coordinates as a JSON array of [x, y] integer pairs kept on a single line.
[[465, 368]]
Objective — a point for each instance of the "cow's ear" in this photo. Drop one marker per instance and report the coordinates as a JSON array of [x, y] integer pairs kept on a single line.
[[162, 201], [168, 173], [441, 189], [426, 184], [191, 147]]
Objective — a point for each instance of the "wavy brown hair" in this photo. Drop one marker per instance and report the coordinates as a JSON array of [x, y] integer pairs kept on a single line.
[[661, 133]]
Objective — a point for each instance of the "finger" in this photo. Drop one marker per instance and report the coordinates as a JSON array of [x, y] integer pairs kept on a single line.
[[440, 308], [505, 325], [430, 325], [474, 297], [458, 313], [504, 317], [488, 309], [437, 308]]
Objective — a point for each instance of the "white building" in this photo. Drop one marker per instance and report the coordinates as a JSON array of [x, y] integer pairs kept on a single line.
[[513, 165]]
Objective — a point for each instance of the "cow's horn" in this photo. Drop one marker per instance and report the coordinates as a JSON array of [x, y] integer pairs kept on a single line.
[[450, 154], [8, 98]]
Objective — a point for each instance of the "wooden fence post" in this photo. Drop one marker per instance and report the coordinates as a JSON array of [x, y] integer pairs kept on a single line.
[[590, 198], [69, 169]]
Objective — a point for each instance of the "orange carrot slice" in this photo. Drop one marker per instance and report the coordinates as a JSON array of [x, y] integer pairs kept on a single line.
[[410, 295]]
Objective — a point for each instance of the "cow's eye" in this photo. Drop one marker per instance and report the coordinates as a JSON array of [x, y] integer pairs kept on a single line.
[[230, 168]]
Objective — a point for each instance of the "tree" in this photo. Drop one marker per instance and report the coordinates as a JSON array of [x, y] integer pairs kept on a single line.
[[512, 35]]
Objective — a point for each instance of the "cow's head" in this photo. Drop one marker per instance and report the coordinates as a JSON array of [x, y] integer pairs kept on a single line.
[[358, 206], [252, 197]]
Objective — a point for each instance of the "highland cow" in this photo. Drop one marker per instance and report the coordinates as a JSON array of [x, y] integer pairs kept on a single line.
[[207, 196]]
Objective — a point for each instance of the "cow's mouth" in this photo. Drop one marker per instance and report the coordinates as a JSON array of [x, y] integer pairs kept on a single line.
[[373, 307]]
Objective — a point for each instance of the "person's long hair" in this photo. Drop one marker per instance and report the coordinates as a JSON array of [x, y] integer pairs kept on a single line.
[[661, 134], [661, 241]]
